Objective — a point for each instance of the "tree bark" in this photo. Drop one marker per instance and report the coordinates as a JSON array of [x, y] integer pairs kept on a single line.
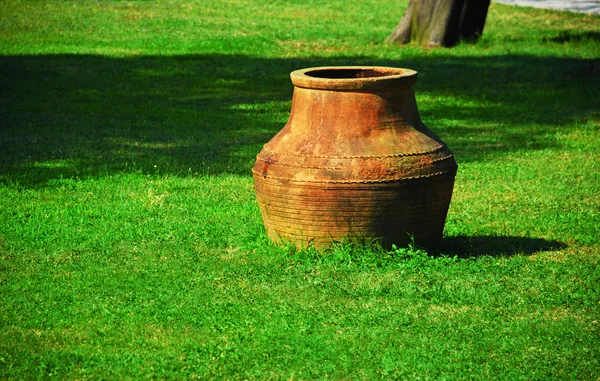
[[402, 32], [441, 22]]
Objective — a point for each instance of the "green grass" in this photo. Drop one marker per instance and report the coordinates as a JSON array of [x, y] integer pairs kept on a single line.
[[131, 245]]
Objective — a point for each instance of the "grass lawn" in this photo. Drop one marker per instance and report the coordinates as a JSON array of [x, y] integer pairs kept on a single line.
[[131, 245]]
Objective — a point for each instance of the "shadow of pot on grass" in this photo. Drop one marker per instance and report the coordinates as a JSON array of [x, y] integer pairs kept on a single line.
[[496, 246]]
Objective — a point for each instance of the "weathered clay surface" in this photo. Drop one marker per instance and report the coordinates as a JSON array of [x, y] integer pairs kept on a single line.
[[354, 162]]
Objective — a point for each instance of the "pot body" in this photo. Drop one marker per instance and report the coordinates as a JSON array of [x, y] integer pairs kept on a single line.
[[354, 162]]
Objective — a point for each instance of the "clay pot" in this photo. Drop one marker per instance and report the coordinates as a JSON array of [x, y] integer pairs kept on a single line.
[[354, 162]]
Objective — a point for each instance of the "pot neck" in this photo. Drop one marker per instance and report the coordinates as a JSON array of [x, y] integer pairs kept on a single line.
[[348, 112]]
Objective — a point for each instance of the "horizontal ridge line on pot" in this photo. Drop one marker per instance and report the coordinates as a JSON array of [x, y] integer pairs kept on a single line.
[[353, 78], [277, 193], [319, 233], [297, 207], [325, 217], [418, 153], [300, 213], [339, 168], [287, 202], [357, 181]]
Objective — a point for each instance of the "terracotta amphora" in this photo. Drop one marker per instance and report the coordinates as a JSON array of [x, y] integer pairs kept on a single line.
[[354, 163]]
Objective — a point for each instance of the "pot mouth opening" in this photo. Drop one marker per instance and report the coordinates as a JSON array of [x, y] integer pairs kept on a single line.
[[349, 73], [353, 78]]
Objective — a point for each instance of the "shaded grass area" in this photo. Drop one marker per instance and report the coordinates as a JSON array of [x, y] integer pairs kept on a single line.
[[72, 115], [131, 245]]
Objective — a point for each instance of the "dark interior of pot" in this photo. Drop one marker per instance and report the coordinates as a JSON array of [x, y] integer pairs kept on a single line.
[[351, 73]]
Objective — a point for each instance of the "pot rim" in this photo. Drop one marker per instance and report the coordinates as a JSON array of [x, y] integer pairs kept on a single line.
[[356, 78]]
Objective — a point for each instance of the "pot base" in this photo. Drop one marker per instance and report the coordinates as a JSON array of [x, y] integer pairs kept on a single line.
[[321, 215]]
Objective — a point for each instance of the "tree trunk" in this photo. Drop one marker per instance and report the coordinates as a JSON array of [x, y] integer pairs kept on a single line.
[[441, 22], [472, 19]]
